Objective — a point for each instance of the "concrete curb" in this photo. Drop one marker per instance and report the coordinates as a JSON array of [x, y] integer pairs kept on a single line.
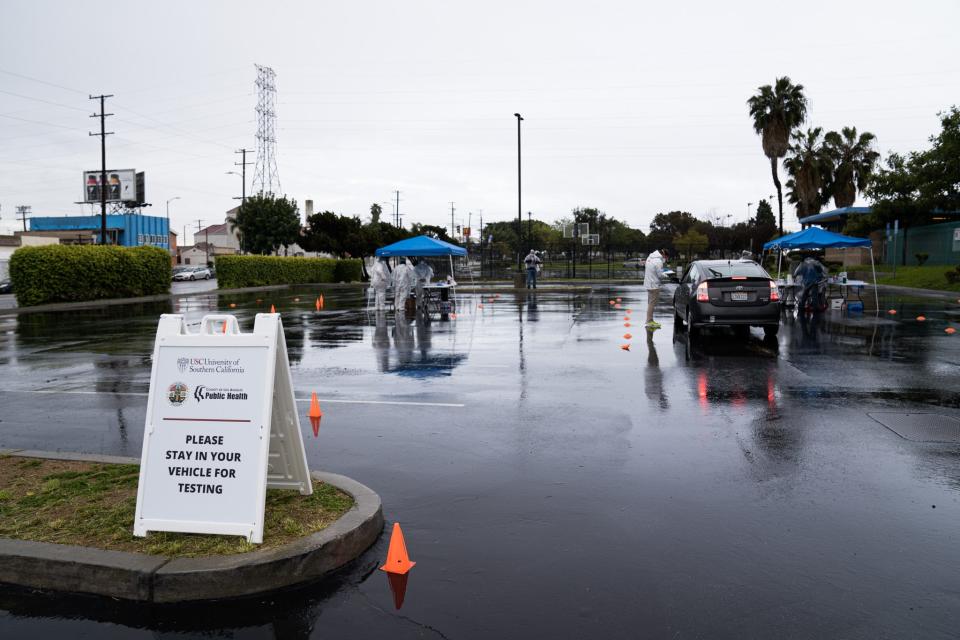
[[147, 578]]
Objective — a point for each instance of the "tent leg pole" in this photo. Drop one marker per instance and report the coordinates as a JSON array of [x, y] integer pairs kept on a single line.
[[873, 268]]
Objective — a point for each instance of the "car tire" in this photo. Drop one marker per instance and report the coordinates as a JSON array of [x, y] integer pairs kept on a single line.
[[677, 320], [771, 330], [192, 278]]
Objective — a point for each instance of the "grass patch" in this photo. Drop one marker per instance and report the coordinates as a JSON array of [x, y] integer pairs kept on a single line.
[[926, 277], [93, 505]]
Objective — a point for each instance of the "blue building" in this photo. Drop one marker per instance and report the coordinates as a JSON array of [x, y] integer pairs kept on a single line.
[[126, 230]]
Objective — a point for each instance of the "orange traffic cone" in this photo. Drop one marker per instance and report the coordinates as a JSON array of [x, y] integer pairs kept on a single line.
[[626, 318], [950, 330], [233, 305], [273, 309], [616, 305], [627, 324], [625, 347], [619, 300], [613, 302], [317, 304], [224, 326], [315, 414], [921, 318], [397, 559], [321, 300], [627, 336], [892, 312]]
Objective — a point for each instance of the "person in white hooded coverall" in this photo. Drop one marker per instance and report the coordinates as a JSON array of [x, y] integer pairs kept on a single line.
[[403, 280], [652, 278], [380, 280], [423, 272]]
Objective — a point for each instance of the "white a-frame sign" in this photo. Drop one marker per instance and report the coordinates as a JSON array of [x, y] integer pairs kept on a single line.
[[221, 428]]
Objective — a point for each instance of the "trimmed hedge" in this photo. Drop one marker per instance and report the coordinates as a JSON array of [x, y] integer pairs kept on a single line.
[[70, 273], [256, 271]]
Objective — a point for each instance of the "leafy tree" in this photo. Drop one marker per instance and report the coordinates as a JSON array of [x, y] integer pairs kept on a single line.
[[776, 111], [810, 168], [764, 215], [432, 230], [267, 223], [691, 242], [375, 212], [666, 226], [913, 188], [853, 160], [328, 232]]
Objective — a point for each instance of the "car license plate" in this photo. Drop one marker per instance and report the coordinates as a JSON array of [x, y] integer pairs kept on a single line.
[[739, 296]]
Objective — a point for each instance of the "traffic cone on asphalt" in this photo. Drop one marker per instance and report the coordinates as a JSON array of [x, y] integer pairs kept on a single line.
[[950, 330], [625, 347], [921, 318], [321, 300], [273, 309], [397, 559], [317, 304], [627, 324], [619, 300], [627, 336], [315, 414]]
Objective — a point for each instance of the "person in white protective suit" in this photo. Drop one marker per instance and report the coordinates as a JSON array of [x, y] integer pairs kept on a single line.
[[423, 272], [380, 280], [403, 281]]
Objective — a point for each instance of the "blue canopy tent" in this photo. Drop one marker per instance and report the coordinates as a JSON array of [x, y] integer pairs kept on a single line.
[[816, 238], [421, 246]]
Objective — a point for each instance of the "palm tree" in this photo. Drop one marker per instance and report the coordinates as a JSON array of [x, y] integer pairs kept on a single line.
[[810, 168], [776, 112], [853, 162]]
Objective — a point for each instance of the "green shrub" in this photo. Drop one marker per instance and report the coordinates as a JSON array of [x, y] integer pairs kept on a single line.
[[257, 271], [348, 270], [953, 276], [70, 273], [921, 258]]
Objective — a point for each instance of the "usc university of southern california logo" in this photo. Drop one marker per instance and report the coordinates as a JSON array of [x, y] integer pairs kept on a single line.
[[177, 393], [182, 364]]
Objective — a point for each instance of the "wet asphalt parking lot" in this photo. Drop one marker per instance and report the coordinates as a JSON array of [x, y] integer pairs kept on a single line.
[[550, 483]]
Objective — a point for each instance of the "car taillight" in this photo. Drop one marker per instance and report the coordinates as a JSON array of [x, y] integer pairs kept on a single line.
[[774, 292], [702, 293]]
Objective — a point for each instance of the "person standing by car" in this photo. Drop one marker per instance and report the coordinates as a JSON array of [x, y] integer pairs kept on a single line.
[[652, 278], [532, 261]]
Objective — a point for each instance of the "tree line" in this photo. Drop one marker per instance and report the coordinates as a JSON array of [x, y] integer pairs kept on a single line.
[[912, 188]]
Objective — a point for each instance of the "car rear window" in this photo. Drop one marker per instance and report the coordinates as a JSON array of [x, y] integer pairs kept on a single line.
[[748, 269]]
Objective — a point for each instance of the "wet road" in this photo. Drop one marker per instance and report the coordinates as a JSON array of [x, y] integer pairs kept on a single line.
[[551, 484]]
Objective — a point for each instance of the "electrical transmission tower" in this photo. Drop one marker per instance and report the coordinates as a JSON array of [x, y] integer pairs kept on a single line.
[[266, 180]]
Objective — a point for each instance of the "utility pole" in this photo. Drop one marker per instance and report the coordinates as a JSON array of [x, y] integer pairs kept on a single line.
[[103, 163], [243, 174], [206, 244], [529, 231], [396, 211], [453, 234], [519, 201], [481, 243], [23, 211]]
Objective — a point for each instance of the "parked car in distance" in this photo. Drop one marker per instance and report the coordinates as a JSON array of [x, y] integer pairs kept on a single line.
[[634, 263], [193, 273], [6, 286], [731, 293]]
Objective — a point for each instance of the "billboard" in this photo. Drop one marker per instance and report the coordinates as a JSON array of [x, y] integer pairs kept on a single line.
[[121, 186]]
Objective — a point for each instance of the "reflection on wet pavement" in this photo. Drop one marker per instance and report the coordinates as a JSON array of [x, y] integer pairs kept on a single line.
[[552, 484]]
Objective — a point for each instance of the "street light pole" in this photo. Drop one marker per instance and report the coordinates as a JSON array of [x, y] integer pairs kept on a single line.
[[168, 219], [519, 199]]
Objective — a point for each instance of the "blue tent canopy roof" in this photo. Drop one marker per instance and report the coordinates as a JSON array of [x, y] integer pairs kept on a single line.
[[420, 246], [814, 238]]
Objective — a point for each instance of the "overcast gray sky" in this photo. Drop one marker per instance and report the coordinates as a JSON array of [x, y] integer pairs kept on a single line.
[[634, 108]]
